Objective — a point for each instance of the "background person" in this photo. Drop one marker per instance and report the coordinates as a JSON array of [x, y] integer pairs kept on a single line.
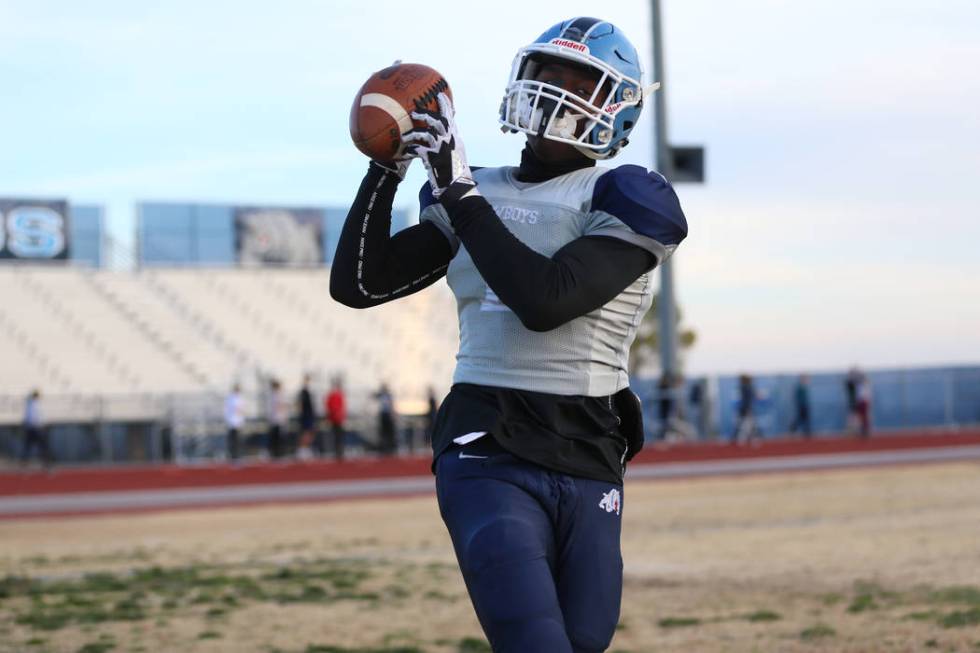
[[801, 407], [862, 404], [336, 412], [387, 443], [307, 420], [35, 434], [430, 415], [277, 419], [234, 413], [851, 396], [746, 429]]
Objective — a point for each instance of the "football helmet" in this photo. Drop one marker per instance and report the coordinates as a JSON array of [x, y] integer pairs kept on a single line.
[[598, 126]]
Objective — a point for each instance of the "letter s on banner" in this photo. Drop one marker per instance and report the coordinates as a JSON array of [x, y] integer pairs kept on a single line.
[[35, 232]]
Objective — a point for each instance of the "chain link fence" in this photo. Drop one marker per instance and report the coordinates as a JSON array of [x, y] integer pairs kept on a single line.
[[180, 428]]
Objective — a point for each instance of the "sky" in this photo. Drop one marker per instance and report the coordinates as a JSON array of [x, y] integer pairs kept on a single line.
[[838, 224]]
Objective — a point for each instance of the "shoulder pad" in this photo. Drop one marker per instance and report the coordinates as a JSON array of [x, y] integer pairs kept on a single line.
[[644, 201]]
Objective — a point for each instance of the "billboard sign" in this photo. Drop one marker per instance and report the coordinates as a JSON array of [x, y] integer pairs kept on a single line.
[[34, 229], [278, 236]]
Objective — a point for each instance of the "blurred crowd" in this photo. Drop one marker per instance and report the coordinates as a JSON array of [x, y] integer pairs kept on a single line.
[[307, 426], [684, 409]]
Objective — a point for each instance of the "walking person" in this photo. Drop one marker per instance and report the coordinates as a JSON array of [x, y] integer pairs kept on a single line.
[[550, 263], [430, 415], [307, 420], [234, 420], [851, 395], [701, 414], [801, 407], [277, 419], [336, 412], [35, 433], [746, 429], [387, 443], [862, 405]]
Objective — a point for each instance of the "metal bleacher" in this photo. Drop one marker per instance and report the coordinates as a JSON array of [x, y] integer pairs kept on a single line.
[[80, 331]]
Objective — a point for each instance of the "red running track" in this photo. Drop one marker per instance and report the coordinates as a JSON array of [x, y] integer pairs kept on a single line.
[[65, 481]]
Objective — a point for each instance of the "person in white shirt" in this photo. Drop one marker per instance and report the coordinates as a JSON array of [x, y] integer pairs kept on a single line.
[[234, 419], [277, 417]]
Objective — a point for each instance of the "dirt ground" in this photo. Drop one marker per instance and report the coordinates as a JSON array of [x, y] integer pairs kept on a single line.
[[858, 560]]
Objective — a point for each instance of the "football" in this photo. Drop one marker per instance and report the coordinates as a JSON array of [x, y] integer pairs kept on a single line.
[[380, 112]]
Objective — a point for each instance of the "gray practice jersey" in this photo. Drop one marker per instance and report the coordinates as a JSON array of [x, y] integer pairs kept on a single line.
[[589, 354]]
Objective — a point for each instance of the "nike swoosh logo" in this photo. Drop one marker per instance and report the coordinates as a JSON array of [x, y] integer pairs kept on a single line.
[[466, 455]]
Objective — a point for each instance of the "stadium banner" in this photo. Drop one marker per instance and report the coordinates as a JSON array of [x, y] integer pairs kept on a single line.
[[278, 236], [34, 229]]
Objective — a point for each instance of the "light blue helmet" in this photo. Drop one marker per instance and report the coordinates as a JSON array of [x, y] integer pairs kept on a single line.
[[598, 127]]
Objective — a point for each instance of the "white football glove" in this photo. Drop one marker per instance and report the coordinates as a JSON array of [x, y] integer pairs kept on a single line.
[[441, 150]]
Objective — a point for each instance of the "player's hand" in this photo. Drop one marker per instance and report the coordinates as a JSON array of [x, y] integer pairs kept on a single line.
[[441, 150]]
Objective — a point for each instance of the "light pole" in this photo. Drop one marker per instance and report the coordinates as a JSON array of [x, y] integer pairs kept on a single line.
[[666, 308]]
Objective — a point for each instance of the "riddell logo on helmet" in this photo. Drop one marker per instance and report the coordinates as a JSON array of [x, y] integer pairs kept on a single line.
[[565, 43]]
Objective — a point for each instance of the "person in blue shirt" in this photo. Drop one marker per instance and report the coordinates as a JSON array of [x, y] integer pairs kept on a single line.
[[35, 434], [801, 407]]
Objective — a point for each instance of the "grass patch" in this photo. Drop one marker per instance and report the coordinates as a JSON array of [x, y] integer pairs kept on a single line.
[[318, 648], [871, 596], [929, 615], [79, 610], [818, 631], [678, 622], [473, 645], [831, 599], [209, 634], [11, 586], [763, 615], [436, 595], [963, 594], [398, 591], [40, 620], [215, 613], [97, 647], [156, 592], [341, 575], [961, 618], [862, 603]]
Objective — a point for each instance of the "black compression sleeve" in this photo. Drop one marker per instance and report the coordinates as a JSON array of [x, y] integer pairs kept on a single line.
[[370, 267], [545, 292]]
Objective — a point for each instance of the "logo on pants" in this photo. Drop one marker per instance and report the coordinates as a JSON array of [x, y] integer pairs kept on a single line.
[[611, 501]]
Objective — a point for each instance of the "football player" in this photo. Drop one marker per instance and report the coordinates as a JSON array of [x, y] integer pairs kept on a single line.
[[551, 264]]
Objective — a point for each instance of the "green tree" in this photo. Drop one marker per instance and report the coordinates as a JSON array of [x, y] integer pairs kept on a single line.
[[645, 351]]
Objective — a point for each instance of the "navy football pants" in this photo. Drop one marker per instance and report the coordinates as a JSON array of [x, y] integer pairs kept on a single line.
[[539, 554]]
